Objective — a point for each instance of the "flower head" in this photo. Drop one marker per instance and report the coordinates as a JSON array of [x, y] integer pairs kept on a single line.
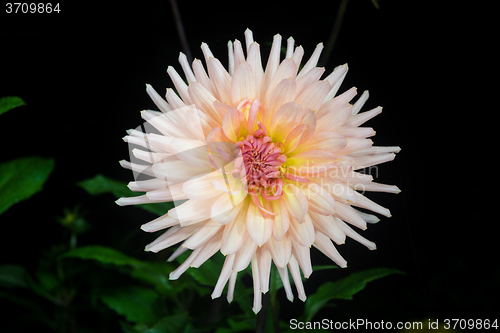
[[261, 164]]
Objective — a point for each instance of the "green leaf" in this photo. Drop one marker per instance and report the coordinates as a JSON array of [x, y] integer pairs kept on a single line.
[[9, 103], [137, 304], [343, 289], [13, 276], [101, 184], [21, 178]]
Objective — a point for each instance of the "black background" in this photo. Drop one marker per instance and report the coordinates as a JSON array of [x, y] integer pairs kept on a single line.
[[82, 73]]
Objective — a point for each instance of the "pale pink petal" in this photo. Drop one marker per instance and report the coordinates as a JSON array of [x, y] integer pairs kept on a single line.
[[257, 295], [360, 102], [281, 221], [303, 256], [327, 226], [364, 161], [348, 214], [272, 63], [329, 141], [287, 69], [320, 201], [259, 228], [282, 94], [244, 255], [160, 102], [324, 244], [226, 207], [280, 250], [306, 80], [224, 276], [312, 62], [336, 79], [231, 124], [286, 282], [376, 187], [230, 287], [264, 262], [242, 84], [206, 231], [159, 223], [313, 95], [192, 211], [295, 201], [363, 117], [293, 266], [208, 249], [364, 202], [284, 120], [254, 60], [179, 84], [186, 68], [355, 144], [174, 275], [202, 76], [172, 236], [230, 55], [203, 100], [235, 233], [354, 235], [221, 79], [303, 232], [309, 121]]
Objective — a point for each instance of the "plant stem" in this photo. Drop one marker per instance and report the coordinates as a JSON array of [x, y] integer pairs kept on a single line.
[[180, 30], [335, 32]]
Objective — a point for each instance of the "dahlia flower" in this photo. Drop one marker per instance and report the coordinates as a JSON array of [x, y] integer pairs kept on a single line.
[[261, 164]]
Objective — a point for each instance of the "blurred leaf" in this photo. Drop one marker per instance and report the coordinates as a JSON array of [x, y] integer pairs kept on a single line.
[[236, 326], [21, 178], [102, 254], [17, 276], [9, 103], [137, 304], [101, 184], [13, 276], [376, 4], [343, 289], [172, 324], [154, 273]]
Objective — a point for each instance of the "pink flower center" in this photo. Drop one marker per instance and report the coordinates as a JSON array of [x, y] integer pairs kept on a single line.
[[262, 160]]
